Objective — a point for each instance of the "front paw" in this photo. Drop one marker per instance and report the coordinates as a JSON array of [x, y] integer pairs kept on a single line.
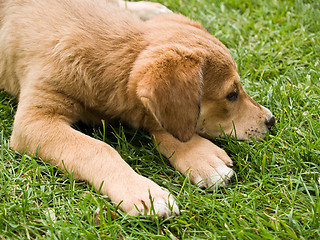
[[213, 169], [211, 175], [144, 197], [207, 165]]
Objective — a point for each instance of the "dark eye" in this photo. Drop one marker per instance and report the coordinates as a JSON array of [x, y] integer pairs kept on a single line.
[[232, 96]]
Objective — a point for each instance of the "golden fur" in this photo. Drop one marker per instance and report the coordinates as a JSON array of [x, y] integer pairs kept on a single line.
[[87, 60]]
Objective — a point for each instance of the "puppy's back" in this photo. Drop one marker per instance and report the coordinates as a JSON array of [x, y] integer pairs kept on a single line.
[[34, 29]]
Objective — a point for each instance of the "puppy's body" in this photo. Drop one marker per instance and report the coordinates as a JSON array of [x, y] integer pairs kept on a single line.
[[73, 46], [86, 51], [90, 60]]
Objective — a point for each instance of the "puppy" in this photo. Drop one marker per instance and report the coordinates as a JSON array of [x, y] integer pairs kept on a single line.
[[87, 60]]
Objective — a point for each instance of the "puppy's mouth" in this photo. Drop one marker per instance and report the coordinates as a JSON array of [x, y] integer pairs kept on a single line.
[[249, 135]]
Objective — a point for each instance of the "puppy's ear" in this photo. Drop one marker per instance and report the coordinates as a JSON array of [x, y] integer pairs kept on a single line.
[[169, 86]]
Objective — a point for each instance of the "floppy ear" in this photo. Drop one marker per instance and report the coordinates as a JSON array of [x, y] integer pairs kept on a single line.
[[169, 86]]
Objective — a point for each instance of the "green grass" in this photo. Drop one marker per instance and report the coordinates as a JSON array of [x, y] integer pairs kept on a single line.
[[275, 192]]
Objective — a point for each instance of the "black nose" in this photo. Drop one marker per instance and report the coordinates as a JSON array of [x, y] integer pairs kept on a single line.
[[270, 122]]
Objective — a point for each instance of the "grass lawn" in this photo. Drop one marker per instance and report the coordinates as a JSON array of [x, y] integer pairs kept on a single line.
[[275, 192]]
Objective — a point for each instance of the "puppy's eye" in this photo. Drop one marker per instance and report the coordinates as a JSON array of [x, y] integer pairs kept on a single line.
[[232, 96]]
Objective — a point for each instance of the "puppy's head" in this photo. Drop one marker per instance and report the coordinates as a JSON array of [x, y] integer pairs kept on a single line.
[[189, 82], [226, 107]]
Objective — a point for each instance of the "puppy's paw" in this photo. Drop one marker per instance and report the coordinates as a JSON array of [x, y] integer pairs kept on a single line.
[[207, 165], [149, 199], [163, 206], [147, 10], [157, 8], [212, 176]]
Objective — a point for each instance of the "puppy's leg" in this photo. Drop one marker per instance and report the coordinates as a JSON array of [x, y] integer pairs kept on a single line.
[[145, 10], [42, 126], [207, 164]]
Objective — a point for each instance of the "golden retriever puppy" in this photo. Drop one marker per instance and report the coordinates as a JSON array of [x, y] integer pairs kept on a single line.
[[87, 60]]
